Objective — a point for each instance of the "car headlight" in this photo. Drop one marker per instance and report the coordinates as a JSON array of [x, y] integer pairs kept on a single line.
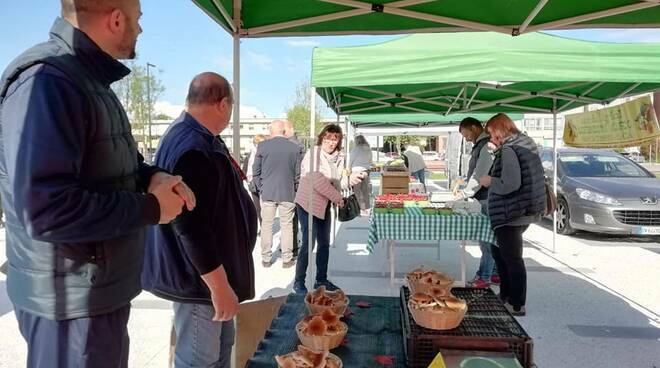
[[588, 195]]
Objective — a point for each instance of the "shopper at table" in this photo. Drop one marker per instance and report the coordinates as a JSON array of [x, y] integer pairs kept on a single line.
[[360, 162], [481, 160], [414, 161], [323, 184], [516, 199]]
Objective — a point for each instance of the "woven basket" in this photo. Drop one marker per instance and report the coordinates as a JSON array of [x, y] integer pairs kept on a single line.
[[330, 356], [417, 286], [438, 321], [338, 308], [327, 342]]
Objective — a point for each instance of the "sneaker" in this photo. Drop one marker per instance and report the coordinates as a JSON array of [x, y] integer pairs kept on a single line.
[[495, 279], [288, 264], [328, 285], [299, 287], [266, 264], [480, 284], [519, 312]]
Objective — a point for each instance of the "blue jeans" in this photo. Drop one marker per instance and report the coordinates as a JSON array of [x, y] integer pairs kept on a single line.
[[487, 263], [320, 232], [420, 175], [200, 341], [90, 342]]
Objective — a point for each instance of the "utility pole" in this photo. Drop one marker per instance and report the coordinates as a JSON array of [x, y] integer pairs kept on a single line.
[[149, 158]]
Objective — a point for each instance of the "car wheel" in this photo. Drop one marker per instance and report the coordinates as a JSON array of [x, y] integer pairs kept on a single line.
[[563, 218]]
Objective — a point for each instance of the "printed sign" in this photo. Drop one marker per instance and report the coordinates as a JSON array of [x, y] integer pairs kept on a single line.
[[627, 125]]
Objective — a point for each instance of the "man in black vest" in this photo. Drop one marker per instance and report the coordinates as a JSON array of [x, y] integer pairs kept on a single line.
[[76, 192], [481, 161]]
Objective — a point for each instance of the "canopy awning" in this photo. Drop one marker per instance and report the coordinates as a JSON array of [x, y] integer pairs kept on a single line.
[[415, 120], [263, 18], [481, 72]]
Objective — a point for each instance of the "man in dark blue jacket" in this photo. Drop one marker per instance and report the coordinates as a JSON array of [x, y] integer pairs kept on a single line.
[[76, 193], [203, 260]]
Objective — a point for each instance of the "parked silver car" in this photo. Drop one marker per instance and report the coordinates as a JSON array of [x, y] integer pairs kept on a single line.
[[604, 192]]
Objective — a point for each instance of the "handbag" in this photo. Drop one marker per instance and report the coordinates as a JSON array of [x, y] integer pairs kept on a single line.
[[350, 210], [550, 200]]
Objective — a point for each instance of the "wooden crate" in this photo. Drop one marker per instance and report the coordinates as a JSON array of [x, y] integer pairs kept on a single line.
[[395, 182]]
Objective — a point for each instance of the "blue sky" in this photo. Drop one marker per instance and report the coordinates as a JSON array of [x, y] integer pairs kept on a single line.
[[182, 41]]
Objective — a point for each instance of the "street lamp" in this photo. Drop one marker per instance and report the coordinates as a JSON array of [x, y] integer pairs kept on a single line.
[[149, 65]]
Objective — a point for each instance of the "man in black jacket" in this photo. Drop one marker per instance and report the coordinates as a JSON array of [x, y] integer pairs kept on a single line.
[[203, 260], [76, 192]]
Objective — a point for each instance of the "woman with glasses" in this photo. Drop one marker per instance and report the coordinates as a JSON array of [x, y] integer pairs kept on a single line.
[[324, 184]]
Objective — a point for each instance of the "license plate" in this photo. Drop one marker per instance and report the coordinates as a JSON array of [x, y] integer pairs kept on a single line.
[[644, 230]]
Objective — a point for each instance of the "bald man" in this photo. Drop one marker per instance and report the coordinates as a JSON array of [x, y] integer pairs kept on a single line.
[[76, 192], [202, 261], [276, 172]]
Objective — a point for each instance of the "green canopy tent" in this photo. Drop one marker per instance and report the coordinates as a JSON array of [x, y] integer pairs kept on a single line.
[[264, 18], [409, 124], [413, 120], [466, 73], [481, 72]]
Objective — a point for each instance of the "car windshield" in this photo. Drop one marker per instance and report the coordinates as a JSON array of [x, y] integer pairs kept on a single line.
[[597, 165]]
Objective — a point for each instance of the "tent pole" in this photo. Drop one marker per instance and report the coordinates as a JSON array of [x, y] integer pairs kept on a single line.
[[311, 265], [554, 171], [378, 148], [236, 131]]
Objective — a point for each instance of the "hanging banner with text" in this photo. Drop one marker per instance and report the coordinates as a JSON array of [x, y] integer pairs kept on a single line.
[[627, 125]]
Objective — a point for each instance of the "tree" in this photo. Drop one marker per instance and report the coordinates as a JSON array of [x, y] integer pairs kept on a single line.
[[396, 141], [299, 113], [132, 92]]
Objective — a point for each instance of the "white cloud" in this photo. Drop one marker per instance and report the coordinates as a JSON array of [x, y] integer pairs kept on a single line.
[[261, 61], [302, 43], [632, 35], [225, 63], [172, 110], [251, 112], [167, 108]]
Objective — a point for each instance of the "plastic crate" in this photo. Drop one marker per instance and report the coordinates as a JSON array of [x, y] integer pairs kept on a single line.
[[487, 326]]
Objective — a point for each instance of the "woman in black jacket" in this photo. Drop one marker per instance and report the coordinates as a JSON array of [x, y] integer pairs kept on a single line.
[[516, 199]]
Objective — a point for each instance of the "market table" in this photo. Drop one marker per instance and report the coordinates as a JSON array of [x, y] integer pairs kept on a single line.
[[414, 225], [387, 328], [371, 331]]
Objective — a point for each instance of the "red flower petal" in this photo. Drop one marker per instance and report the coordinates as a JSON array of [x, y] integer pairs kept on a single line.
[[384, 359], [363, 304]]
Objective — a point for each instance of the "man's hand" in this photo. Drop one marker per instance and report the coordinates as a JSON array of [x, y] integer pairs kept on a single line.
[[341, 203], [225, 302], [355, 178], [485, 181], [170, 203], [181, 189]]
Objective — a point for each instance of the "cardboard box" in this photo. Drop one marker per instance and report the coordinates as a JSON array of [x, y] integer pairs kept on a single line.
[[252, 322]]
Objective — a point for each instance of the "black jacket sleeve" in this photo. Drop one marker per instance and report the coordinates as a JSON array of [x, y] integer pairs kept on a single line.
[[196, 228]]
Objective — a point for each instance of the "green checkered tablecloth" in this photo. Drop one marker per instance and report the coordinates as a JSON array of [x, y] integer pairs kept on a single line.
[[414, 225]]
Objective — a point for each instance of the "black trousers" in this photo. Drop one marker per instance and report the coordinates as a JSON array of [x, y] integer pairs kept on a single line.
[[508, 256], [295, 233], [93, 342]]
